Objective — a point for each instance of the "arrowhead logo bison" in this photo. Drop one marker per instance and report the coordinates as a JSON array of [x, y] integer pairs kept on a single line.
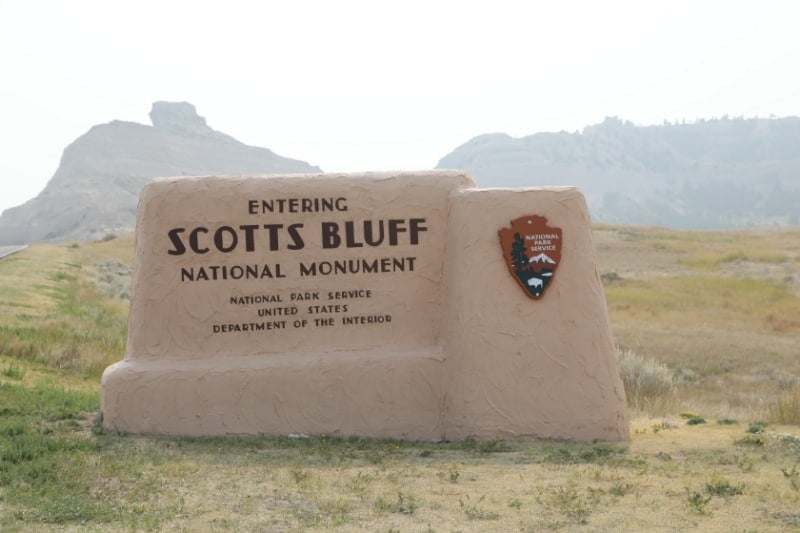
[[533, 251]]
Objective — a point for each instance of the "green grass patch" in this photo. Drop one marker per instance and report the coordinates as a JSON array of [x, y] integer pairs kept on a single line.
[[46, 401], [13, 371], [83, 332], [574, 452], [663, 235], [717, 300], [55, 470], [711, 261], [43, 451]]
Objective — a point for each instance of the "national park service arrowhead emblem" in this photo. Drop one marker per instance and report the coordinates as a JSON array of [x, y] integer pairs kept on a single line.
[[533, 251]]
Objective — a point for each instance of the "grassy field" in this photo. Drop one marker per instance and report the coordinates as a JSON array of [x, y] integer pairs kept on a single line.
[[708, 325]]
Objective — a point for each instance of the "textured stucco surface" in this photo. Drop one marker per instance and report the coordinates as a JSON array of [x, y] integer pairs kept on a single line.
[[466, 353], [521, 367]]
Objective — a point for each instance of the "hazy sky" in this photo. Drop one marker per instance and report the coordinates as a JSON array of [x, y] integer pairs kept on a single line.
[[375, 85]]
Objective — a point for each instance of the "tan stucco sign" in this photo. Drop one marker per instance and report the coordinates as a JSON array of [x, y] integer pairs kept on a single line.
[[375, 304]]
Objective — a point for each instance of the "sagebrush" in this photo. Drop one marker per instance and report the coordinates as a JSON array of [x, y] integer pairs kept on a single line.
[[648, 383]]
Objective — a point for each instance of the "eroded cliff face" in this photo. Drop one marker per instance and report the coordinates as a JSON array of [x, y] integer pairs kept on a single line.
[[724, 173], [96, 187]]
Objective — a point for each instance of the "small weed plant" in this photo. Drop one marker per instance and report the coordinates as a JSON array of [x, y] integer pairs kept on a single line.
[[696, 501], [719, 486], [452, 474], [13, 371], [475, 511], [750, 440], [620, 489], [793, 476], [403, 504], [569, 502]]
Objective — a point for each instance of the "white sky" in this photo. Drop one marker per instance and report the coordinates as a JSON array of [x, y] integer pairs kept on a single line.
[[377, 85]]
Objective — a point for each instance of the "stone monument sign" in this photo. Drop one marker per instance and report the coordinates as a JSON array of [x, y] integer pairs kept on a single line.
[[408, 305]]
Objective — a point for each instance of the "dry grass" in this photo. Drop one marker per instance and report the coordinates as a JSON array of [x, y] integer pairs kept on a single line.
[[23, 296], [785, 409], [720, 309], [693, 309]]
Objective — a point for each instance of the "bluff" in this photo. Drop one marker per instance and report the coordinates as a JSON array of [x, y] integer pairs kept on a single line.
[[720, 173], [96, 187]]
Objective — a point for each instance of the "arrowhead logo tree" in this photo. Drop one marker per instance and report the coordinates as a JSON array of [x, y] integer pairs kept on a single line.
[[532, 250]]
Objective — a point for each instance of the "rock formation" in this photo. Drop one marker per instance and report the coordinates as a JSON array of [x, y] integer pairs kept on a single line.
[[95, 190], [710, 174]]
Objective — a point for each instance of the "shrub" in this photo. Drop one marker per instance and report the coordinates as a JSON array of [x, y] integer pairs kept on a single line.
[[719, 486], [696, 501], [648, 383]]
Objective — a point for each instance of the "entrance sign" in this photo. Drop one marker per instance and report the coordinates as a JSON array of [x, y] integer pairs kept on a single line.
[[370, 304]]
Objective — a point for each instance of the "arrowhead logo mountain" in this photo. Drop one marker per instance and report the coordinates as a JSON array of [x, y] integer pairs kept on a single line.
[[533, 251]]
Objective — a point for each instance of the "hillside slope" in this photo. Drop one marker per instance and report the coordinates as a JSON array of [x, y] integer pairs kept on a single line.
[[96, 187], [710, 174]]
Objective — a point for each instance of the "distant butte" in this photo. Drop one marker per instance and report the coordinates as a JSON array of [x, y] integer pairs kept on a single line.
[[95, 189]]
